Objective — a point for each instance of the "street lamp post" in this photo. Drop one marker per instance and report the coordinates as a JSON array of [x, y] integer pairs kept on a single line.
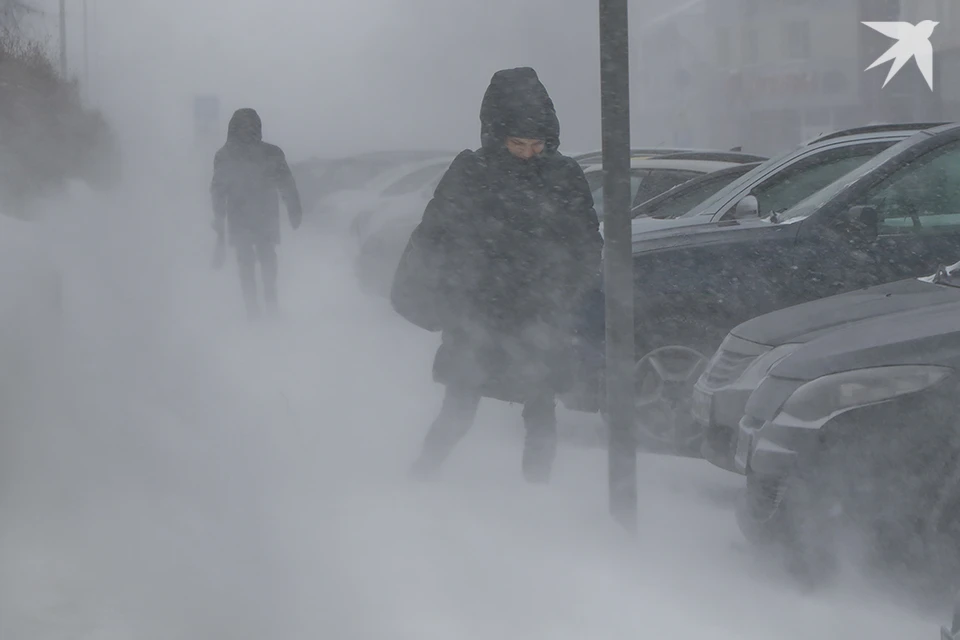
[[86, 49], [618, 261], [63, 38]]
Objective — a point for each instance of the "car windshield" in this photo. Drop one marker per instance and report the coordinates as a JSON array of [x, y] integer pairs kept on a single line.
[[594, 179], [681, 198], [635, 180], [713, 202], [815, 201]]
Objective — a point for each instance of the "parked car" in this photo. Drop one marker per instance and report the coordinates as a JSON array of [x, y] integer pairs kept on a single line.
[[694, 283], [319, 179], [753, 348], [382, 245], [402, 194], [782, 181], [650, 177], [912, 183], [733, 155], [855, 430], [351, 210], [678, 200], [596, 157], [721, 156]]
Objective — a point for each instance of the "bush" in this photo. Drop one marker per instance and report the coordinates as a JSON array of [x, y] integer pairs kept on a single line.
[[47, 136]]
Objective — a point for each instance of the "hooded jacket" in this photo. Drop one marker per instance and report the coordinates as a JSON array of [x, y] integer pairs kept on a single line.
[[508, 247], [248, 173]]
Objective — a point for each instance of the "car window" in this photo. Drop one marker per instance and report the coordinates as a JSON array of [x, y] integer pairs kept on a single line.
[[717, 200], [636, 178], [687, 198], [594, 179], [786, 188], [412, 181], [659, 180], [921, 195]]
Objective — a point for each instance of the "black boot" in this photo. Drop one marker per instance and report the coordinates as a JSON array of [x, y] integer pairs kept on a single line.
[[540, 441], [539, 452], [455, 418]]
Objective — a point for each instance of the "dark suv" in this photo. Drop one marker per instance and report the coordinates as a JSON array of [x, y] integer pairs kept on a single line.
[[891, 217]]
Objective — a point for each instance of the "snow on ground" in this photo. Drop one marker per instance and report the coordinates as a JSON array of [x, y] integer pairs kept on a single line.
[[181, 474]]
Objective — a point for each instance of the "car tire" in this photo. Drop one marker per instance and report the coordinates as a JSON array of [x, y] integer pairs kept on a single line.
[[781, 516], [684, 349]]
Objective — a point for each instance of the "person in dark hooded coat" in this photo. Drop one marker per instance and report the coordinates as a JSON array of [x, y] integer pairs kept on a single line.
[[507, 248], [247, 174]]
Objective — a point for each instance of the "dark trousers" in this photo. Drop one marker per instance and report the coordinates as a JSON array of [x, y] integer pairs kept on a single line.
[[248, 255], [458, 413]]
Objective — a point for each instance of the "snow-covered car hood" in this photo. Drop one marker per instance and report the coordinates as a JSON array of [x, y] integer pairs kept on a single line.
[[808, 321]]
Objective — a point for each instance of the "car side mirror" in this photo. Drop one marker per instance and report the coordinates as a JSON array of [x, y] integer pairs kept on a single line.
[[748, 207], [863, 220]]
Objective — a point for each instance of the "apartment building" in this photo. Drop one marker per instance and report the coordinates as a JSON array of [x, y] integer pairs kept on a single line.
[[769, 74], [671, 74]]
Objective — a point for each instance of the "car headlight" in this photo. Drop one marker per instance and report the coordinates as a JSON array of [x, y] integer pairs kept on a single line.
[[833, 394], [760, 367]]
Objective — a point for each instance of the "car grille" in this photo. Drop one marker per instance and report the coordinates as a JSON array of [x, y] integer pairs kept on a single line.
[[725, 368]]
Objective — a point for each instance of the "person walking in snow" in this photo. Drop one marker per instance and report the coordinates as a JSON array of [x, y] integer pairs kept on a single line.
[[505, 251], [247, 175]]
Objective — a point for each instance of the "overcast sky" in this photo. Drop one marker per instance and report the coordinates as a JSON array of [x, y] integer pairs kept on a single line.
[[338, 75]]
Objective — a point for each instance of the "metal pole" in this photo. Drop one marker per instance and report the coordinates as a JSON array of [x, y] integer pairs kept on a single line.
[[86, 50], [618, 260], [63, 38]]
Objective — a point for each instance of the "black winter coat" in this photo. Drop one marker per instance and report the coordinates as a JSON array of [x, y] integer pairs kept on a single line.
[[517, 245], [248, 173], [505, 253]]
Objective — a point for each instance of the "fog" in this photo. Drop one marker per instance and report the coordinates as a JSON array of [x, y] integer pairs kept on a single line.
[[171, 471]]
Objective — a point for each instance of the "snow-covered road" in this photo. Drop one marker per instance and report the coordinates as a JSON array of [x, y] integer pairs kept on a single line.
[[186, 475]]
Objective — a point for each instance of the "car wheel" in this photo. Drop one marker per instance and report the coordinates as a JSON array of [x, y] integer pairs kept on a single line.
[[664, 380], [783, 516]]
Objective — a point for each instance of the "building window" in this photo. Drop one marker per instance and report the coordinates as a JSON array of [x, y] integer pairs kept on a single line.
[[796, 40], [723, 46], [751, 46]]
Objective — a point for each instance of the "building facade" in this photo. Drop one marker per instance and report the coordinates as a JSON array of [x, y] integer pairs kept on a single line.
[[671, 78], [769, 74]]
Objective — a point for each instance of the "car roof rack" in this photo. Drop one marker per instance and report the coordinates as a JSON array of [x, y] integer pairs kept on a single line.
[[878, 128]]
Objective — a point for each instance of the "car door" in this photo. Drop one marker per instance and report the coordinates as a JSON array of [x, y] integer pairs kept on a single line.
[[781, 190], [918, 209], [918, 226], [814, 266]]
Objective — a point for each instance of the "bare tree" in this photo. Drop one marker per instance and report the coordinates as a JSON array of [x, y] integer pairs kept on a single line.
[[12, 12]]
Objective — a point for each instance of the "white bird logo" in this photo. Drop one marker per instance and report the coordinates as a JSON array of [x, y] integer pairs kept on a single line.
[[913, 41]]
